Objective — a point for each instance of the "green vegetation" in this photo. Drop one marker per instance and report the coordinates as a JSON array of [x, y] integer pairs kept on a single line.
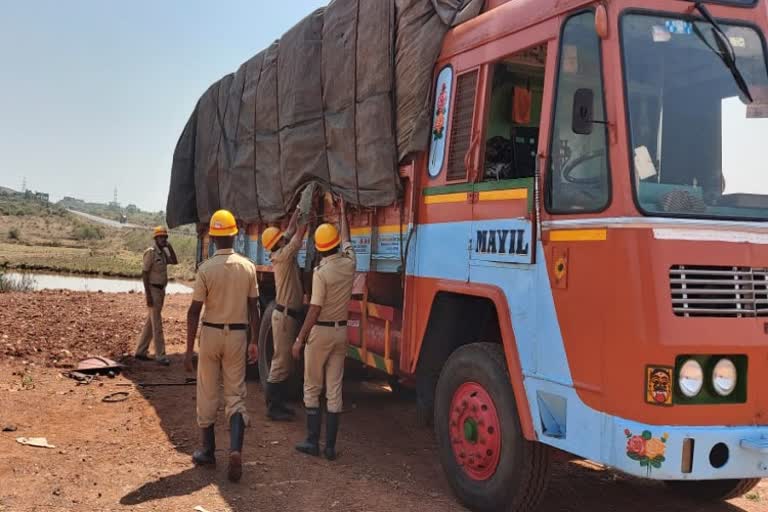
[[19, 205], [48, 238], [83, 231]]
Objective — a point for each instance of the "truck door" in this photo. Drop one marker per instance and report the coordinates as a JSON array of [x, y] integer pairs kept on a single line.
[[503, 213], [445, 212]]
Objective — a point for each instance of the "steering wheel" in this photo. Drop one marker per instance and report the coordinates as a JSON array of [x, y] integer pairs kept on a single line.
[[571, 166]]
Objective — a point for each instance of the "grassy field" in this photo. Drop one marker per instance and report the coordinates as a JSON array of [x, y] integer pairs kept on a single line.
[[56, 241]]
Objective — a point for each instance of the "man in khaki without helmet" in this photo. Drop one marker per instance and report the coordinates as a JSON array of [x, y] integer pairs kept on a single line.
[[155, 277]]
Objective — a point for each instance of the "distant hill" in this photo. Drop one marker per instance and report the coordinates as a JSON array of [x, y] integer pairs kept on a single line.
[[6, 190], [132, 213]]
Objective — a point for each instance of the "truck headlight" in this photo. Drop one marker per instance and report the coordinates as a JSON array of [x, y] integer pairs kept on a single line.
[[724, 377], [691, 378]]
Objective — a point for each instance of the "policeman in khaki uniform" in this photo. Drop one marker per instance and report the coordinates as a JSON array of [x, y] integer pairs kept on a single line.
[[226, 285], [285, 318], [155, 277], [325, 334]]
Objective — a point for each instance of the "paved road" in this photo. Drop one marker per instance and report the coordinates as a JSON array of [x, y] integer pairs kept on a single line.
[[105, 222]]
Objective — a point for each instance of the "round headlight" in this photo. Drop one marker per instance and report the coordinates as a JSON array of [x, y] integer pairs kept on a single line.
[[724, 377], [691, 378]]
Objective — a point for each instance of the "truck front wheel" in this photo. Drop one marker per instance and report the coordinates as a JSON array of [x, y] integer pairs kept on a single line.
[[713, 490], [487, 461]]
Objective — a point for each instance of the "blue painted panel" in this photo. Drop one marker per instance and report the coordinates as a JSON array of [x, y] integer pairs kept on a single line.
[[505, 241], [588, 433], [442, 251]]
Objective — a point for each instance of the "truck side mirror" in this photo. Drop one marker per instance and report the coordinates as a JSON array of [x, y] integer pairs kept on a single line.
[[583, 109]]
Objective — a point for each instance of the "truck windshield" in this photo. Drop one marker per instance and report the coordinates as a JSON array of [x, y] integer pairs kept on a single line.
[[698, 143]]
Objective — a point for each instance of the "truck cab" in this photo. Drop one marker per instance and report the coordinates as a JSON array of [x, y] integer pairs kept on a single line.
[[579, 261]]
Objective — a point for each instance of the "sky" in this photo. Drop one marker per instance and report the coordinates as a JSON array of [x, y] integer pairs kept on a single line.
[[94, 94]]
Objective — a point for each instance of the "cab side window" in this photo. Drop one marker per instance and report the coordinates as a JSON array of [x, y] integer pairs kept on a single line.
[[514, 115], [578, 178]]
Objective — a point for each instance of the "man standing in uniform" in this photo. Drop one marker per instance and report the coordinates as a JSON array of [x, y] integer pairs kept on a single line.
[[285, 317], [155, 277], [326, 328], [226, 285]]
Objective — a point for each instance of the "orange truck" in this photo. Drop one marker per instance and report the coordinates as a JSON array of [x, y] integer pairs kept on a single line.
[[579, 260]]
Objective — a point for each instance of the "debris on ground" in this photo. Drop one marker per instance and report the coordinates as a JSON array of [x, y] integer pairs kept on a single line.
[[38, 442], [118, 396], [200, 508], [81, 378], [189, 381], [98, 365], [9, 428]]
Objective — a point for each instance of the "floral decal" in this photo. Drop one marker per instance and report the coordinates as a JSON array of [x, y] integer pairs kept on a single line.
[[442, 100], [646, 449]]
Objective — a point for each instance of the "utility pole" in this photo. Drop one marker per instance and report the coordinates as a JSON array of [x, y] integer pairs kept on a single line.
[[24, 184]]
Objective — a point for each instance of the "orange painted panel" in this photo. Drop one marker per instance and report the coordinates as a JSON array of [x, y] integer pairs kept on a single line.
[[616, 317]]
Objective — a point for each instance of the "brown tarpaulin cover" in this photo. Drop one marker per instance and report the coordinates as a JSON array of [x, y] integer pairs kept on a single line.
[[338, 100]]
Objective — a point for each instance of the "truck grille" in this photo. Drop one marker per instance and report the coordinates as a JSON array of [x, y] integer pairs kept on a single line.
[[731, 292]]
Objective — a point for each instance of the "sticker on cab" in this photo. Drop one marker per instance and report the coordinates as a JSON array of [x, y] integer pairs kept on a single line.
[[658, 385], [679, 27]]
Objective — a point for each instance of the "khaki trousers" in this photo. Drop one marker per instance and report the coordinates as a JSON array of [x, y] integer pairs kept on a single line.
[[221, 361], [324, 358], [284, 331], [153, 327]]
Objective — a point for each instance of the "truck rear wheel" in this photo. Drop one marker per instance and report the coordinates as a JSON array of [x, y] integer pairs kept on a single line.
[[713, 490], [267, 349], [489, 464]]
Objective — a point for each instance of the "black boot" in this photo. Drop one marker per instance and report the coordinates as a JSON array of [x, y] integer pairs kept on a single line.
[[331, 429], [312, 445], [276, 411], [207, 454], [236, 434]]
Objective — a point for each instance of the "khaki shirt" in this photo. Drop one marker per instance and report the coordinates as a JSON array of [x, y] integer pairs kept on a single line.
[[332, 284], [156, 263], [287, 275], [224, 283]]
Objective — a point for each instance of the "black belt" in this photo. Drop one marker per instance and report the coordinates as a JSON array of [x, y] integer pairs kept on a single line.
[[288, 311], [342, 323], [158, 286], [232, 327]]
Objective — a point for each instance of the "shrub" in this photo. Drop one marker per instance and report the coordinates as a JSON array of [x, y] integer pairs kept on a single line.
[[14, 234], [87, 232], [25, 283]]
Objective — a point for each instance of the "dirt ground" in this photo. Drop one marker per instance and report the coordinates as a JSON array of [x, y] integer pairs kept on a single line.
[[135, 454]]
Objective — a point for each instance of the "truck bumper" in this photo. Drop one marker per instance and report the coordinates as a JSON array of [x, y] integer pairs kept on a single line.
[[690, 453]]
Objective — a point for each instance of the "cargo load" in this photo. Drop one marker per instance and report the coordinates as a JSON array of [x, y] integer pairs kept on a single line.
[[339, 99]]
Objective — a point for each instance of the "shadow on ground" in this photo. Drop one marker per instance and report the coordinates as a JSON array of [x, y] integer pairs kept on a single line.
[[386, 461]]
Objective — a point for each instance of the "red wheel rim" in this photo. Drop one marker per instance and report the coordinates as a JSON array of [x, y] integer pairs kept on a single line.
[[474, 430]]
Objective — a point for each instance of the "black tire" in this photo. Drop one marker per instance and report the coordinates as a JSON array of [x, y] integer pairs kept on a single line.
[[713, 490], [267, 349], [522, 473]]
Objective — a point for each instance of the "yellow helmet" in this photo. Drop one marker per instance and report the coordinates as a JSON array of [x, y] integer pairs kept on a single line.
[[223, 224], [326, 237], [269, 237], [160, 231]]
